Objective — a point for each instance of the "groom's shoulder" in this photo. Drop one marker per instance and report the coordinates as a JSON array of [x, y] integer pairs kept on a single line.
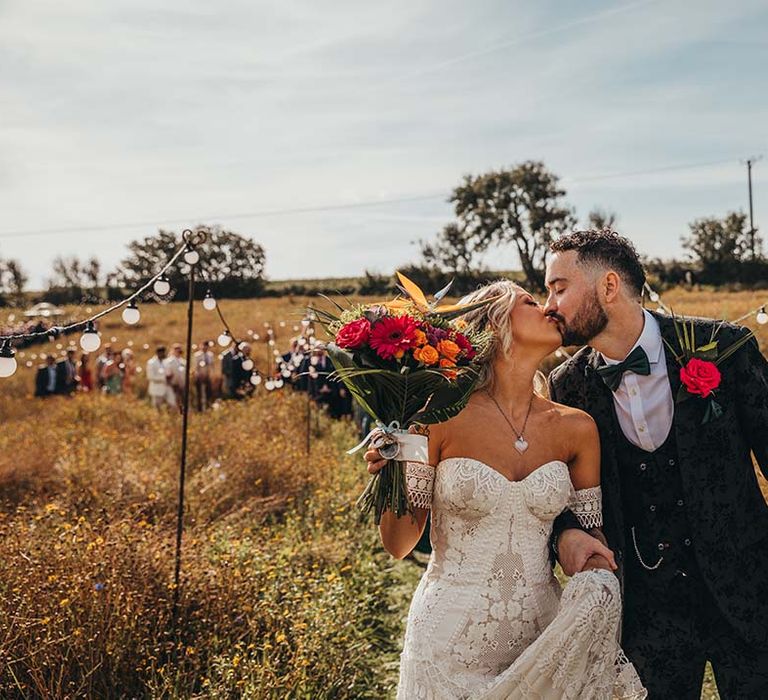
[[572, 369]]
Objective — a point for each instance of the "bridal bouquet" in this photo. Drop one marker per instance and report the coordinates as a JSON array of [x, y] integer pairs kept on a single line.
[[406, 362]]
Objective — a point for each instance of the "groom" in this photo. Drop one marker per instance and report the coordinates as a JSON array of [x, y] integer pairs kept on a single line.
[[682, 508]]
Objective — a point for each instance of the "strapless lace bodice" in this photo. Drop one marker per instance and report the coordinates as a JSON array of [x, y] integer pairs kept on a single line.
[[489, 591]]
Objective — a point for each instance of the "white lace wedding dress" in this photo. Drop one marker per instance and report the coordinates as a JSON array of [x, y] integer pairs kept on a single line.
[[488, 619]]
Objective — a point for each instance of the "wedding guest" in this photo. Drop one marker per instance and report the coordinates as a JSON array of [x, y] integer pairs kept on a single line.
[[111, 375], [85, 373], [66, 374], [45, 379], [128, 368], [241, 384], [203, 367], [176, 367], [160, 392], [101, 360], [227, 358]]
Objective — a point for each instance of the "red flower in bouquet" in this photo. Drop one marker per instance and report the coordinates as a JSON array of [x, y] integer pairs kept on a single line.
[[354, 335], [700, 377], [467, 351], [392, 336]]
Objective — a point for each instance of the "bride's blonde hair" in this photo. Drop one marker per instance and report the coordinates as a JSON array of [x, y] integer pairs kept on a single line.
[[494, 318]]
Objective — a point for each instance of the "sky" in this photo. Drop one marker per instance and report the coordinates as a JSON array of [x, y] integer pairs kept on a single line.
[[333, 132]]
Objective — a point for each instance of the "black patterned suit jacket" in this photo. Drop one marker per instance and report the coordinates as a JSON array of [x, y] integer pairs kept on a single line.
[[727, 513]]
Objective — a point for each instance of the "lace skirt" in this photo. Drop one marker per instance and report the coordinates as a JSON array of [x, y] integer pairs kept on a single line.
[[577, 656]]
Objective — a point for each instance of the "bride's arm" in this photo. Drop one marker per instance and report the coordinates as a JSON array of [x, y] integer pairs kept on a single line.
[[400, 535], [585, 477]]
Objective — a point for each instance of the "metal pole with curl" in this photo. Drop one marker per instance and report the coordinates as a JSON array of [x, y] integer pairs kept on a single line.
[[193, 240]]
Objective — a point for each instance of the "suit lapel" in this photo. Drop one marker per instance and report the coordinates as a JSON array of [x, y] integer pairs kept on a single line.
[[687, 414], [669, 338]]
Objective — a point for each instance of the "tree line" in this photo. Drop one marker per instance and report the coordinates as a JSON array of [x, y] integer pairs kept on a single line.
[[523, 207]]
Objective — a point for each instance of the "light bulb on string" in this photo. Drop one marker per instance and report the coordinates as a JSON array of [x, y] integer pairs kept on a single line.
[[269, 385], [192, 257], [162, 286], [224, 339], [209, 303], [279, 383], [90, 341], [7, 359], [247, 364], [762, 317], [654, 297], [131, 314], [286, 373], [255, 379]]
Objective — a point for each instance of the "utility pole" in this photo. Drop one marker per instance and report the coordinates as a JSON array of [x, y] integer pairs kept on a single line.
[[750, 162]]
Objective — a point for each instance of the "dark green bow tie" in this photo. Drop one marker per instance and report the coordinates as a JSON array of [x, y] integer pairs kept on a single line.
[[636, 361]]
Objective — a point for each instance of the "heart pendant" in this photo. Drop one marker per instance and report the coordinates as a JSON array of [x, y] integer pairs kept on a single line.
[[521, 445]]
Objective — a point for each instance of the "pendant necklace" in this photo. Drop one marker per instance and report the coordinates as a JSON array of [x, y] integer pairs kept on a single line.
[[521, 444]]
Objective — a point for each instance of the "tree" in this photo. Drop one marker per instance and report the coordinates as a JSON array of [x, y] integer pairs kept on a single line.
[[601, 218], [452, 250], [15, 279], [68, 272], [720, 247], [523, 206], [231, 264]]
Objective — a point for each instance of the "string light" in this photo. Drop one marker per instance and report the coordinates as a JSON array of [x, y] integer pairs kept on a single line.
[[192, 257], [7, 359], [209, 303], [131, 314], [762, 317], [224, 339], [255, 379], [247, 364], [90, 341], [161, 286]]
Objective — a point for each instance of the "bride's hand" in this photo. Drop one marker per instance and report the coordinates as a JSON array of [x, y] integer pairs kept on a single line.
[[575, 547], [375, 461], [597, 562]]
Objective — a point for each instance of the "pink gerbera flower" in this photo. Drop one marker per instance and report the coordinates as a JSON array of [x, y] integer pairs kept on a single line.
[[392, 336]]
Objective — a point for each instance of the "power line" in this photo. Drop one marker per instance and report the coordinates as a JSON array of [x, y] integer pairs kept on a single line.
[[288, 211], [247, 215], [664, 169]]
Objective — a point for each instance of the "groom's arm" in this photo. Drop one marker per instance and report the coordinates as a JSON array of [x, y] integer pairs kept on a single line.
[[751, 370], [566, 520]]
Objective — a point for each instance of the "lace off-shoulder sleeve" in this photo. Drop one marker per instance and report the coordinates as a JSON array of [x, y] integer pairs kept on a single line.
[[419, 480], [587, 506]]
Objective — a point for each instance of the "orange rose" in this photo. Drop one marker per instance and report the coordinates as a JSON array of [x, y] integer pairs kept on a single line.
[[449, 373], [448, 349], [428, 355], [420, 337]]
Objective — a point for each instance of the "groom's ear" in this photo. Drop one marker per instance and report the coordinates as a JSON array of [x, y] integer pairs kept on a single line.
[[610, 286]]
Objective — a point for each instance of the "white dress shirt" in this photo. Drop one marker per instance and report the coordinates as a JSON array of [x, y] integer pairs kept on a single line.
[[644, 404], [156, 374]]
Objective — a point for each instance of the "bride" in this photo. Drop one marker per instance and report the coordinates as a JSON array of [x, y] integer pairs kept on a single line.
[[488, 619]]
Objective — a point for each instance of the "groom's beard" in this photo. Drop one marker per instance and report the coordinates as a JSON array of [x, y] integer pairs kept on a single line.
[[590, 320]]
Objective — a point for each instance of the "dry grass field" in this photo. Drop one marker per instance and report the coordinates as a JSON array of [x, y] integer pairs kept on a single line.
[[283, 593]]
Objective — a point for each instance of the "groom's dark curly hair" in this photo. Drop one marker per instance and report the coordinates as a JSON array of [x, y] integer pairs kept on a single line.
[[605, 248]]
